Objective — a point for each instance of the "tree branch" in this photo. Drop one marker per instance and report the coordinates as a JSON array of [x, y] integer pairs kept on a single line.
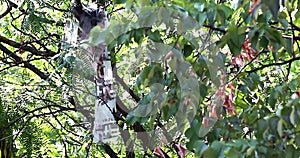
[[241, 70], [109, 151], [137, 127], [274, 64], [124, 85], [215, 28], [26, 48], [18, 59], [9, 8], [26, 113]]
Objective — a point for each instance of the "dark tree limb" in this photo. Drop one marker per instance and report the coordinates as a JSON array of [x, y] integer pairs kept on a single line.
[[124, 85], [9, 8], [27, 113], [77, 2], [58, 9], [18, 59], [215, 28], [14, 5], [295, 27], [241, 70], [77, 9], [274, 64], [137, 127], [124, 133], [121, 107], [109, 151], [33, 50]]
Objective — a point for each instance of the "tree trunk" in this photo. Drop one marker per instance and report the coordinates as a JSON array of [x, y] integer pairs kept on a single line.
[[105, 128]]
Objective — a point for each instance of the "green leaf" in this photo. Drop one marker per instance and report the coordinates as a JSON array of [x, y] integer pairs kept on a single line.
[[213, 73], [243, 88], [187, 50], [186, 23], [251, 117], [274, 36], [163, 15], [144, 107], [215, 150], [264, 42], [189, 133], [261, 127], [223, 12], [203, 90], [297, 18], [147, 16], [138, 34], [273, 123], [199, 6], [70, 59], [234, 49], [289, 46], [200, 147], [155, 36], [250, 150], [291, 151], [144, 2], [130, 119], [279, 128], [211, 15], [240, 102], [237, 38], [204, 129], [97, 36], [119, 1], [232, 153], [292, 116], [297, 140], [209, 153], [273, 5], [272, 98], [150, 75], [129, 4], [201, 18]]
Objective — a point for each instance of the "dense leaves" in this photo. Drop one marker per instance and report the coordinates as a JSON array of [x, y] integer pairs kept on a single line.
[[208, 78]]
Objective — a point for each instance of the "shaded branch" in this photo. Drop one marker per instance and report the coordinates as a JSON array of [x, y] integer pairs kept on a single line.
[[58, 9], [26, 113], [124, 85], [9, 8], [77, 3], [109, 151], [295, 27], [241, 70], [215, 28], [124, 133], [14, 5], [77, 9], [26, 48], [296, 38], [274, 64], [137, 127], [18, 59]]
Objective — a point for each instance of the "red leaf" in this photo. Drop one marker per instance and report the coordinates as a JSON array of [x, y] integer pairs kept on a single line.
[[298, 94], [239, 61], [158, 152], [230, 86], [181, 150], [205, 122], [169, 55], [213, 112]]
